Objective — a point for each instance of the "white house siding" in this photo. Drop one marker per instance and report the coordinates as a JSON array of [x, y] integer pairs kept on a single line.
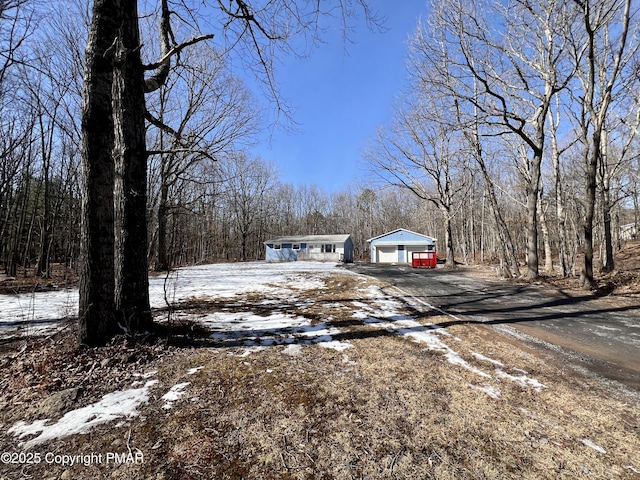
[[314, 252], [327, 248], [398, 246]]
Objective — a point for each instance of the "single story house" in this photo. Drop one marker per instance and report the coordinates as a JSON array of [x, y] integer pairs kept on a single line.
[[398, 245], [326, 248]]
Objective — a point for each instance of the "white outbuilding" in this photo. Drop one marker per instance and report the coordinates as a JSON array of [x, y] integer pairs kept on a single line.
[[398, 246]]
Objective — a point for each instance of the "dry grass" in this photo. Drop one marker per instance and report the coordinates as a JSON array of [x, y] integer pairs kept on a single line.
[[385, 408]]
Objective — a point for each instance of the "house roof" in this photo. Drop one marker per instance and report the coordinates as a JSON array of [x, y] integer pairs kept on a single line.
[[310, 239], [402, 236]]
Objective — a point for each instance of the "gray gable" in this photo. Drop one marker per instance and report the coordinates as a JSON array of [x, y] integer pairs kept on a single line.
[[310, 239], [402, 236]]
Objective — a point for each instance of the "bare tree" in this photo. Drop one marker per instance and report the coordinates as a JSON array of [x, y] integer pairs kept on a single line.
[[600, 60], [247, 184], [422, 154], [509, 75], [16, 24], [558, 186], [97, 279], [113, 120], [506, 250], [202, 112]]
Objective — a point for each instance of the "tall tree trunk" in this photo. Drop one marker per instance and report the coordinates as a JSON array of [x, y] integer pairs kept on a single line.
[[597, 109], [608, 260], [448, 238], [532, 216], [132, 276], [560, 207], [605, 201], [162, 263], [31, 196], [507, 249], [43, 269], [96, 302], [586, 275], [546, 237]]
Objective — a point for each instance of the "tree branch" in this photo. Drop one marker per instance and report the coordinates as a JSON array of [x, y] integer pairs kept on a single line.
[[163, 66]]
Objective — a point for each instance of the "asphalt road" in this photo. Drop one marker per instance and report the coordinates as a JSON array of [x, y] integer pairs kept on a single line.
[[599, 335]]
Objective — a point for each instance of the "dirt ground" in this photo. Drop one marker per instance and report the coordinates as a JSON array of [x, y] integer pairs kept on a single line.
[[386, 408]]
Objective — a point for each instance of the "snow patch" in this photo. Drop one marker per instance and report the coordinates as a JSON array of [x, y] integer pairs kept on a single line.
[[590, 444], [347, 360], [174, 394], [335, 345], [429, 335], [252, 330], [113, 406], [456, 359], [523, 380], [292, 350], [44, 312], [482, 358], [489, 390], [247, 352]]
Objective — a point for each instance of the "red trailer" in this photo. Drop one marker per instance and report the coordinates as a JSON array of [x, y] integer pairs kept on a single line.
[[424, 259]]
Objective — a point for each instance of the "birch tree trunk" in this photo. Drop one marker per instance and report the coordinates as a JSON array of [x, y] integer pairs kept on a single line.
[[546, 236], [602, 71], [606, 205], [532, 192], [561, 216]]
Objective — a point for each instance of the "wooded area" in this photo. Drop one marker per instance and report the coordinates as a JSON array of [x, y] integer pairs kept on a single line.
[[516, 141]]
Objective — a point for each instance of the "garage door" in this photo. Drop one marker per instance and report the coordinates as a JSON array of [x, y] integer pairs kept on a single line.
[[387, 254], [412, 249]]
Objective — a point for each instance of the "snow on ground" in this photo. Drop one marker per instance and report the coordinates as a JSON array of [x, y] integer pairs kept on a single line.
[[279, 283], [230, 280], [36, 313], [282, 285], [256, 331], [113, 406], [596, 447], [40, 313], [174, 394]]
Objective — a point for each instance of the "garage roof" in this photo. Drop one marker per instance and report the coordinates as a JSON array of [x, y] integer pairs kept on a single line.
[[402, 236]]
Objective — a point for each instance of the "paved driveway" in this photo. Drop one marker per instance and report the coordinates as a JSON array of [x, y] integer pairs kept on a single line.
[[601, 335]]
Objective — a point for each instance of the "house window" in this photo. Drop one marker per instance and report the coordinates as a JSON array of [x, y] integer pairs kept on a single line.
[[277, 246], [328, 248], [296, 246]]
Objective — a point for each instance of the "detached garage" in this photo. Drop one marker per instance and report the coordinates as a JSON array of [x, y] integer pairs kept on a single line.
[[398, 245]]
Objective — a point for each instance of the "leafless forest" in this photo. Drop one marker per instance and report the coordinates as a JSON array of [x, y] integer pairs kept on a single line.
[[515, 142]]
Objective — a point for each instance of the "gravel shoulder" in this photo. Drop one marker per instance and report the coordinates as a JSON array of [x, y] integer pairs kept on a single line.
[[597, 333]]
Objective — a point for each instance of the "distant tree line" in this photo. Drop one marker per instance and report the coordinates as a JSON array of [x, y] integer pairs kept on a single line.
[[516, 143], [528, 109]]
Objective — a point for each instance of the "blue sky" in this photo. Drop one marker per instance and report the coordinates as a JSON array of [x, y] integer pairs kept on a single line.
[[340, 94]]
